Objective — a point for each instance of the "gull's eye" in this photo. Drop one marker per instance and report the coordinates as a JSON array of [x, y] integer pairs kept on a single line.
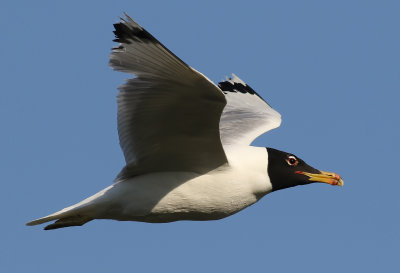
[[292, 160]]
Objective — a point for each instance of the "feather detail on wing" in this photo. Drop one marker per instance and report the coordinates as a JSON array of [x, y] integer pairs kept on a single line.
[[168, 116]]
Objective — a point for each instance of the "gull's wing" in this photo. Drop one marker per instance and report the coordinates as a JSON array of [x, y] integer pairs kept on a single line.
[[168, 116], [246, 115]]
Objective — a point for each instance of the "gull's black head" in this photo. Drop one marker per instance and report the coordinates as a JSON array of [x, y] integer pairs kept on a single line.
[[286, 170]]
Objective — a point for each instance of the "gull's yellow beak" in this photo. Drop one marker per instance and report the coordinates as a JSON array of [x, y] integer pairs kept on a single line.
[[324, 177]]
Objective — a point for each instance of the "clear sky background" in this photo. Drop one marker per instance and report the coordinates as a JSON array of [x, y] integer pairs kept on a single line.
[[331, 68]]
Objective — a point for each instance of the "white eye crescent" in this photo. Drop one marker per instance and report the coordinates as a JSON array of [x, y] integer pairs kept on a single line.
[[292, 160]]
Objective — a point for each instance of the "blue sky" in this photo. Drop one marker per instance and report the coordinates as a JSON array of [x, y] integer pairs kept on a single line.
[[331, 68]]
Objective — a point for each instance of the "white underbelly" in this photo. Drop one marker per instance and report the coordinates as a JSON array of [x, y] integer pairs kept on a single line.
[[171, 196], [166, 197], [204, 198]]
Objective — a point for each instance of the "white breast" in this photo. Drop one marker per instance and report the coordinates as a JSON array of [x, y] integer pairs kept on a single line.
[[171, 196]]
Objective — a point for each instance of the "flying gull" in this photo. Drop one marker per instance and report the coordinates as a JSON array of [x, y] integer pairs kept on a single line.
[[186, 143]]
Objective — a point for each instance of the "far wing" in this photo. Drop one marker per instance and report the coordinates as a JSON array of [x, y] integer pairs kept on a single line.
[[246, 115]]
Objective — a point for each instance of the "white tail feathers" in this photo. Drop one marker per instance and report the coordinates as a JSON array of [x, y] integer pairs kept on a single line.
[[65, 218]]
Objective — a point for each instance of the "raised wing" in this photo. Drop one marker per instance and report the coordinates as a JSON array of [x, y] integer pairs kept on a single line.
[[168, 116], [246, 115]]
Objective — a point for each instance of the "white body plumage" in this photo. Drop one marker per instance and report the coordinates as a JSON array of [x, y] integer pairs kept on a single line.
[[171, 196]]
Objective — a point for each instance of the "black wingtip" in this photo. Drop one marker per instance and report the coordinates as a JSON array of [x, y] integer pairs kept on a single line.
[[236, 85], [122, 33], [127, 30], [233, 86]]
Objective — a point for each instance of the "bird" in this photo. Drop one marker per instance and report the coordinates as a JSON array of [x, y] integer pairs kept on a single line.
[[186, 142]]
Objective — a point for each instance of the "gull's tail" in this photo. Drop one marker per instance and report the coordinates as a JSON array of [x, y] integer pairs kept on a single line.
[[75, 215], [78, 214], [62, 220]]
